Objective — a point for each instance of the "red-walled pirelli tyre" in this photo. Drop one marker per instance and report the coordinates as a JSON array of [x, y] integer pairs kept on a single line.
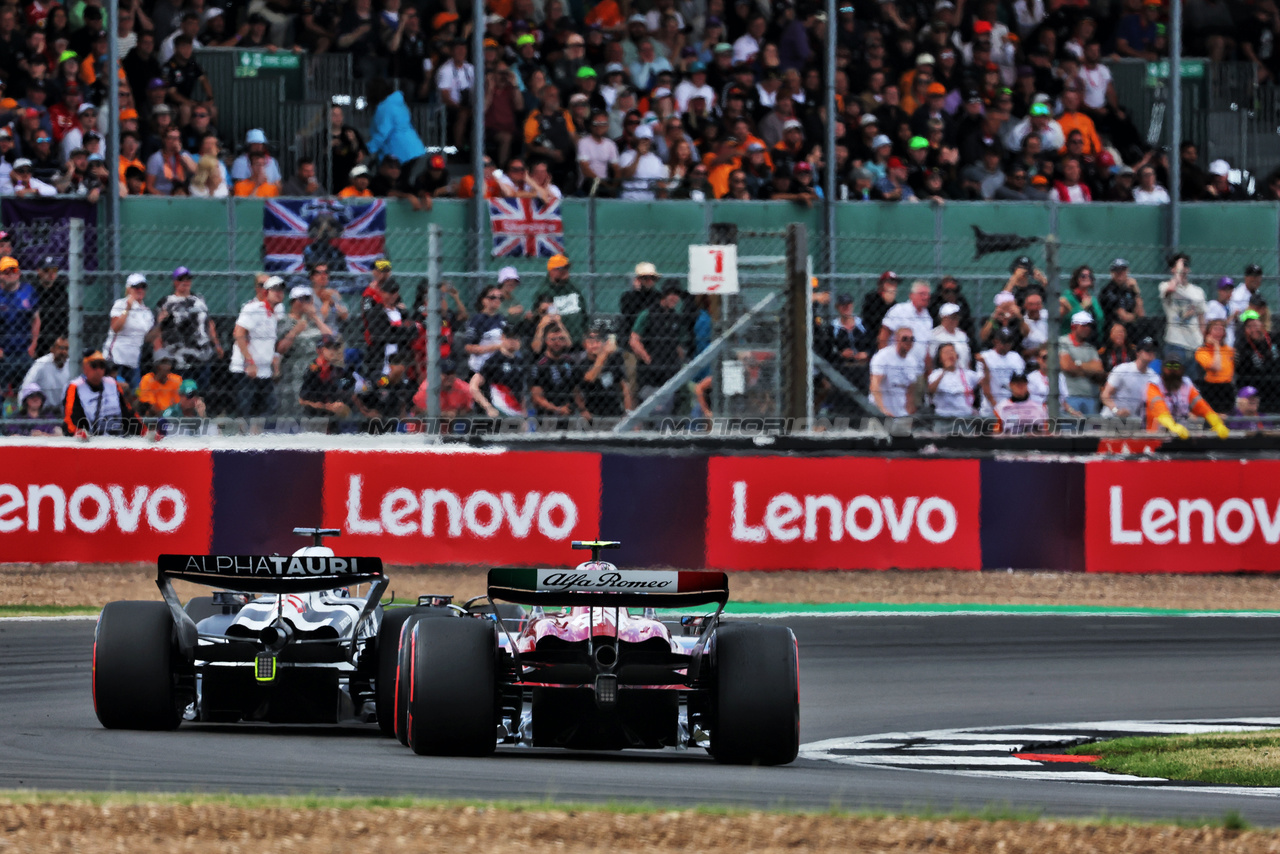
[[453, 698], [755, 695], [134, 667]]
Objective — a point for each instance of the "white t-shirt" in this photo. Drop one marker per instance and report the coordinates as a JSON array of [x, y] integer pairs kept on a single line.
[[1037, 331], [456, 79], [921, 323], [125, 347], [598, 155], [1155, 196], [898, 373], [639, 186], [1038, 388], [1096, 81], [1183, 308], [954, 397], [1129, 387], [1000, 368], [1239, 302], [686, 91], [1214, 310], [939, 336], [260, 322]]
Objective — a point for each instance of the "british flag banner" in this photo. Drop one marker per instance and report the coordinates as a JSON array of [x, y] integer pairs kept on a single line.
[[526, 228], [300, 233]]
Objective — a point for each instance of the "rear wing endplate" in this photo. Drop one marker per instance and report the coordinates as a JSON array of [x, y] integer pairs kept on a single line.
[[270, 573], [631, 588]]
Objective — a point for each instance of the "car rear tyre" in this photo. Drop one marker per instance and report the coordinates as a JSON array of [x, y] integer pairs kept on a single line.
[[134, 667], [453, 697], [755, 695], [391, 635]]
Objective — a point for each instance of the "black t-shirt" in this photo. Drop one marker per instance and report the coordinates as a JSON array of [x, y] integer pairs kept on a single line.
[[324, 384], [183, 76], [430, 181], [630, 304], [663, 333], [389, 399], [603, 396], [407, 61], [505, 382], [1114, 297], [556, 379]]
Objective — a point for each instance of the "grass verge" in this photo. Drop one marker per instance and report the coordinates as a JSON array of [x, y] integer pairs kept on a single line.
[[48, 610], [1228, 758]]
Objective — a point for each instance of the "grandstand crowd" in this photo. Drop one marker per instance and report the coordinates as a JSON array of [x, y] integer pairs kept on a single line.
[[935, 99]]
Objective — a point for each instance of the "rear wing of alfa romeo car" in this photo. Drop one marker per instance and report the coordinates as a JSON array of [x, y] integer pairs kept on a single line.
[[623, 588]]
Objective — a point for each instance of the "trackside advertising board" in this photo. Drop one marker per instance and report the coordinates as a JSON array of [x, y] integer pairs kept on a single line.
[[92, 504], [842, 513], [1220, 516], [470, 508]]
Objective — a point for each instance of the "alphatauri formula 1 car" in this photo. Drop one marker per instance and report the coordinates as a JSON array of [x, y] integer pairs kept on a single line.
[[286, 641], [594, 668]]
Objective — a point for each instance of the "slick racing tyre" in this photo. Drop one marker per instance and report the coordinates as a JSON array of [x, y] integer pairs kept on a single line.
[[453, 696], [393, 666], [135, 667], [755, 695]]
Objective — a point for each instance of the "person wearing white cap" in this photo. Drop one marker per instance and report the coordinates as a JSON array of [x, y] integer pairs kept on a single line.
[[1184, 307], [640, 168], [254, 359], [948, 331], [1219, 188], [255, 142], [508, 281], [132, 323], [1079, 362], [23, 184]]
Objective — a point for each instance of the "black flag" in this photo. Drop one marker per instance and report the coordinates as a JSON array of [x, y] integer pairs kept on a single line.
[[984, 243]]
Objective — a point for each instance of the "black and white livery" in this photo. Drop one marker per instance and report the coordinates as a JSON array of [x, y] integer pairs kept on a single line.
[[592, 667], [288, 639]]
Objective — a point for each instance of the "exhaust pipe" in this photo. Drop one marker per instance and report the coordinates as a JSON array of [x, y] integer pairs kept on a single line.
[[606, 656], [276, 636]]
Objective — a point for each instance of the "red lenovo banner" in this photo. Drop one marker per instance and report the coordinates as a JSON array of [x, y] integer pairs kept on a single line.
[[91, 504], [842, 513], [1219, 516], [464, 507]]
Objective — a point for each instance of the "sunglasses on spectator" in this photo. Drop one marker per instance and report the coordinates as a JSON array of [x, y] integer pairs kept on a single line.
[[907, 339], [492, 296], [320, 271], [632, 122], [99, 364], [202, 115]]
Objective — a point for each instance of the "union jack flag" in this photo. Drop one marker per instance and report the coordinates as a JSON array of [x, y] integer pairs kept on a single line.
[[290, 227], [526, 228]]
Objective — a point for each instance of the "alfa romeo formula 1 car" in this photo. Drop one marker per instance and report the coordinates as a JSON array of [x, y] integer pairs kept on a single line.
[[593, 668], [286, 641]]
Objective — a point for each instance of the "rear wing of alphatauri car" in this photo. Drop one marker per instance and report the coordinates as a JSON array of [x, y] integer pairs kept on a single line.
[[277, 574]]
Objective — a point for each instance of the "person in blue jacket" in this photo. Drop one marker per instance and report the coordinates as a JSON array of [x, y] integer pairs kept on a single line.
[[392, 130]]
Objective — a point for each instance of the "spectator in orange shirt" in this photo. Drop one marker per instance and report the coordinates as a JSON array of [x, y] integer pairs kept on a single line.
[[721, 163], [158, 390], [1219, 364], [359, 186], [494, 186], [1072, 119], [257, 183]]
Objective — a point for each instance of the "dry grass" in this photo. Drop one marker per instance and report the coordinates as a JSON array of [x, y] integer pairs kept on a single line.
[[96, 584], [212, 828]]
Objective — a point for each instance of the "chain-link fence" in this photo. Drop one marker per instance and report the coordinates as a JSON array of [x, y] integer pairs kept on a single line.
[[814, 333]]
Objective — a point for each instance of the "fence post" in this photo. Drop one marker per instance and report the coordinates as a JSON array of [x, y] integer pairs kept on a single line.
[[433, 320], [799, 375], [75, 287], [1055, 312]]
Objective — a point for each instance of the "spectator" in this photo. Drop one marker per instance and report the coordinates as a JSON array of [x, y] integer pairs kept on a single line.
[[1219, 187], [1070, 190], [1019, 413], [1117, 350], [255, 143], [1242, 296], [847, 344], [388, 327], [1079, 297], [455, 394], [598, 157], [1245, 415], [540, 180], [390, 183], [199, 127], [97, 404], [1219, 308], [133, 325], [1184, 308], [948, 331], [483, 335], [1257, 362], [254, 361], [259, 183], [23, 184], [207, 182], [1174, 399], [51, 373], [187, 332], [329, 305], [566, 300], [914, 313], [552, 381], [505, 104], [170, 168], [504, 375], [359, 186], [327, 389], [1038, 123], [1124, 395], [1217, 359], [640, 169], [996, 365], [985, 178], [1036, 320], [1148, 191], [1006, 317], [876, 304], [188, 84], [304, 181], [389, 397], [895, 373], [32, 406], [52, 303], [1071, 118], [1120, 299], [549, 134], [298, 335], [952, 384], [347, 148], [893, 186], [508, 281], [454, 81], [86, 122], [158, 390], [602, 389], [660, 340], [1078, 360]]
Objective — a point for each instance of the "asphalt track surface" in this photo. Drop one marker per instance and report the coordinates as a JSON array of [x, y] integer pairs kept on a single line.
[[859, 676]]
